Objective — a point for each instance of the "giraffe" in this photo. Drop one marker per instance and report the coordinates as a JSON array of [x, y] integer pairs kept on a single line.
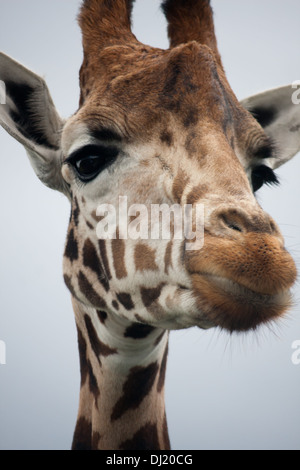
[[138, 124]]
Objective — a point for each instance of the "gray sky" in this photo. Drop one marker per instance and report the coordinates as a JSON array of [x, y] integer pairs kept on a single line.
[[239, 392]]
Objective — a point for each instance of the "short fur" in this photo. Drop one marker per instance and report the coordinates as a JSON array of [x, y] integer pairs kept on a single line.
[[178, 135]]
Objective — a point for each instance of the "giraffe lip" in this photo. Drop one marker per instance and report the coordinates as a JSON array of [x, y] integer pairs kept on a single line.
[[233, 287], [235, 307]]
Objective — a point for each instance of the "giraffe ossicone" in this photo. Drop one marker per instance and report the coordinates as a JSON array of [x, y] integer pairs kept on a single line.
[[161, 128]]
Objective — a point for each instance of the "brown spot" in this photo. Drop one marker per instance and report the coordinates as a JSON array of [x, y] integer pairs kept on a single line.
[[103, 254], [168, 256], [115, 305], [167, 445], [191, 117], [166, 137], [196, 194], [106, 350], [71, 250], [144, 439], [82, 357], [96, 437], [179, 185], [90, 226], [93, 337], [69, 285], [137, 386], [95, 216], [92, 261], [138, 331], [144, 258], [150, 295], [125, 300], [99, 348], [89, 292], [162, 372], [75, 211], [158, 340], [169, 93], [118, 250], [93, 384], [102, 315], [82, 435], [190, 144]]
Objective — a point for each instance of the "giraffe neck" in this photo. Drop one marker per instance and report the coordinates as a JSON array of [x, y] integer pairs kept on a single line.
[[122, 383]]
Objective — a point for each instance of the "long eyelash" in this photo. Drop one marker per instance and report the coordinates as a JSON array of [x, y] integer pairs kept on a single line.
[[269, 176], [84, 152], [263, 175]]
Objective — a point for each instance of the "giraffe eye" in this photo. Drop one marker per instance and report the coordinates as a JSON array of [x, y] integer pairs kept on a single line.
[[89, 161], [263, 175]]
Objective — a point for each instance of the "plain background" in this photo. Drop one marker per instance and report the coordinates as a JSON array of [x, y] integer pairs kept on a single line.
[[222, 392]]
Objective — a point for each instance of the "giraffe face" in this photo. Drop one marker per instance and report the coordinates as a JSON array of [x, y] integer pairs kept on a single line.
[[163, 127], [155, 129]]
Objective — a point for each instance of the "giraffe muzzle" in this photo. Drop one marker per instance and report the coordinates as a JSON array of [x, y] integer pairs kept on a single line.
[[244, 282]]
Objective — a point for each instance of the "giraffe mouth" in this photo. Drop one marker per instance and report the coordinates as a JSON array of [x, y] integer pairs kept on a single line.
[[234, 307]]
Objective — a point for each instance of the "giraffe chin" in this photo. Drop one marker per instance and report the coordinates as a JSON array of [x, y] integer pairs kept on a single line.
[[234, 307]]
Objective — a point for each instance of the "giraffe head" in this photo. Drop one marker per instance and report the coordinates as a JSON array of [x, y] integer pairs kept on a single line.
[[162, 127]]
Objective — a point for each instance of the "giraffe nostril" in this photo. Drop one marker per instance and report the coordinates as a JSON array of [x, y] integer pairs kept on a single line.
[[235, 227], [237, 220], [232, 223]]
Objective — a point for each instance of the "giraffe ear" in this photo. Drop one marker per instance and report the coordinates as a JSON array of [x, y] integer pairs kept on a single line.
[[28, 114], [278, 112]]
